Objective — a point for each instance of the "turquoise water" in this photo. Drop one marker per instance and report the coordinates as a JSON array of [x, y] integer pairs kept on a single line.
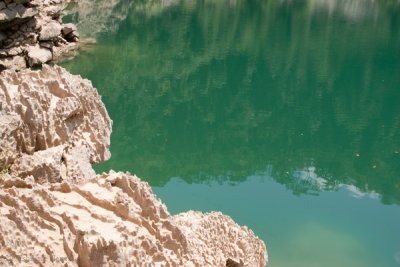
[[284, 115]]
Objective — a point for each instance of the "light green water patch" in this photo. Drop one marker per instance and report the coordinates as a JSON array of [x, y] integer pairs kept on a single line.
[[332, 229], [341, 250], [212, 92]]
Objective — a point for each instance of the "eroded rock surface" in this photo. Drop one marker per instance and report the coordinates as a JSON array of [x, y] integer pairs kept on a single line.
[[53, 125], [32, 30], [113, 220]]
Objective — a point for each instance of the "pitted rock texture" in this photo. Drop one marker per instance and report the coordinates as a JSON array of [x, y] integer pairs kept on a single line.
[[53, 125], [225, 241], [113, 220], [33, 30]]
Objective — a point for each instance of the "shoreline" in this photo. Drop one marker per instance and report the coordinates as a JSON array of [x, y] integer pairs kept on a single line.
[[54, 127], [32, 33]]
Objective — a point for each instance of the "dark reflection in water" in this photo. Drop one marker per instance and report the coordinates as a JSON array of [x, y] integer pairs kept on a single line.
[[221, 89]]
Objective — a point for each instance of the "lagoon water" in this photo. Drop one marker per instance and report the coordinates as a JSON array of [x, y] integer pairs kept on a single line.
[[284, 115]]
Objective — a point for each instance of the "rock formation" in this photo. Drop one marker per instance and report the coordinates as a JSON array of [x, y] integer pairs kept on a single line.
[[113, 220], [31, 33], [54, 211], [53, 125]]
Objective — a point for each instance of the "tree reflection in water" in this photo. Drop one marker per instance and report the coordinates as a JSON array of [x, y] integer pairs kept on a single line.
[[202, 91]]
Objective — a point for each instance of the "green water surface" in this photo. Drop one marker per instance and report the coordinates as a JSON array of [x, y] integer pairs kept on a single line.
[[284, 115]]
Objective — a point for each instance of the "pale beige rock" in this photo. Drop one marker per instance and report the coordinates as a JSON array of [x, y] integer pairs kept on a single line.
[[50, 30], [17, 12], [228, 241], [43, 165], [68, 28], [113, 220], [76, 164], [46, 109], [38, 55], [13, 63]]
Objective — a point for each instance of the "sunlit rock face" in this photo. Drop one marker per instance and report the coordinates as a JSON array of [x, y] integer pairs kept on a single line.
[[53, 125], [114, 220]]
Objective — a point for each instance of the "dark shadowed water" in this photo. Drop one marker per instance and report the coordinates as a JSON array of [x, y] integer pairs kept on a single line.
[[284, 115]]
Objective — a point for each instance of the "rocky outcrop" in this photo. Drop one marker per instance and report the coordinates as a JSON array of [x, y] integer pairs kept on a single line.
[[53, 125], [31, 33], [113, 220], [54, 210]]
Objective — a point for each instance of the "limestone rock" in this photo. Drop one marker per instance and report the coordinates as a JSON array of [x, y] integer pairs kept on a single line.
[[68, 28], [50, 31], [38, 55], [42, 165], [9, 125], [113, 220], [11, 52], [13, 63], [17, 12], [51, 108], [76, 165], [227, 243], [25, 23]]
